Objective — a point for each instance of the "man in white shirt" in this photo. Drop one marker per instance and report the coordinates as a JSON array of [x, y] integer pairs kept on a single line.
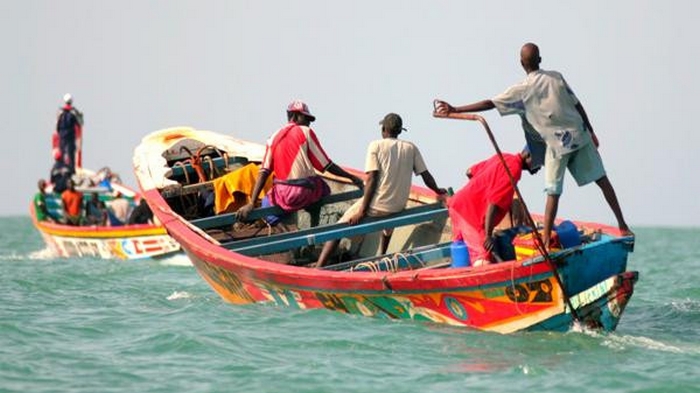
[[389, 165], [547, 104], [120, 208]]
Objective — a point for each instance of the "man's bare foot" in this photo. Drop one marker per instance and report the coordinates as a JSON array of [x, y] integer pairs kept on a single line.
[[625, 231]]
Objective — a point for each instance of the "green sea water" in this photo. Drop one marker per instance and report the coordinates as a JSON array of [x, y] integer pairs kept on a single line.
[[89, 325]]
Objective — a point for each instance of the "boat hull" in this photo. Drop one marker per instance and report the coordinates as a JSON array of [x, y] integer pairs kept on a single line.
[[128, 242], [529, 301]]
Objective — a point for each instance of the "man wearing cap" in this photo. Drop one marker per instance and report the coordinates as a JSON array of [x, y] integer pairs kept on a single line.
[[294, 154], [389, 165], [69, 128], [484, 201], [548, 106]]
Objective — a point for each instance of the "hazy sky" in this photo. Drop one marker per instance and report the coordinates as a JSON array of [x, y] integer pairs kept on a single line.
[[232, 66]]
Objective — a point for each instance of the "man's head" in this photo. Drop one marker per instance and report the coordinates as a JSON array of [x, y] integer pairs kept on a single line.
[[67, 98], [527, 161], [41, 184], [530, 57], [298, 112], [392, 125]]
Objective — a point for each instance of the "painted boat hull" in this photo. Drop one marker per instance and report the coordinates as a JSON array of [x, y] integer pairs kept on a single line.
[[126, 242], [506, 297]]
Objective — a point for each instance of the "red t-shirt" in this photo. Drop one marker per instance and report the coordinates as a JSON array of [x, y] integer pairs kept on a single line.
[[72, 201], [293, 152], [489, 184]]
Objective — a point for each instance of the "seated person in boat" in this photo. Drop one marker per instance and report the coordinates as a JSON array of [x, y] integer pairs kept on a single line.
[[141, 214], [389, 165], [95, 211], [40, 209], [60, 174], [294, 154], [72, 204], [118, 210], [483, 202]]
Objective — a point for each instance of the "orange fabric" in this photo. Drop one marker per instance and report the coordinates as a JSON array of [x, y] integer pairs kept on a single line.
[[72, 202], [233, 190]]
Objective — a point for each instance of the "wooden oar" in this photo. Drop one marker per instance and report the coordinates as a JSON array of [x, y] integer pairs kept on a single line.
[[536, 235]]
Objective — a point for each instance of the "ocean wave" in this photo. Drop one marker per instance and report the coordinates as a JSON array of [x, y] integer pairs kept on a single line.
[[44, 254], [621, 342]]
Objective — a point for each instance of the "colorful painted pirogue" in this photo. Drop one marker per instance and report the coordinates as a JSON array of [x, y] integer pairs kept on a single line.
[[178, 168], [136, 241]]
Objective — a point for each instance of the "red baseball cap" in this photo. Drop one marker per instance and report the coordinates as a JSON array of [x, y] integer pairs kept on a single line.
[[301, 107]]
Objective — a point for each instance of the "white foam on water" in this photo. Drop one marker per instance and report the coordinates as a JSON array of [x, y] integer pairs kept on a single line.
[[621, 342], [179, 259], [179, 295], [43, 254]]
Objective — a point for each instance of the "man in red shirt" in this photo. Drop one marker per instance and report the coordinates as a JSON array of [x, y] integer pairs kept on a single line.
[[72, 204], [294, 154], [481, 204]]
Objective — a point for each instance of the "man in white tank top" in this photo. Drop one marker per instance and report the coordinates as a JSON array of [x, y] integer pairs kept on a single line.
[[389, 165]]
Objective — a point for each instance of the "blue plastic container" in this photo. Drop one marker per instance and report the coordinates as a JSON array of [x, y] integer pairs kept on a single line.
[[460, 254], [568, 234]]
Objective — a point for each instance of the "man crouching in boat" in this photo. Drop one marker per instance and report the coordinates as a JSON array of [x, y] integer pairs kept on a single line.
[[293, 153], [484, 201], [389, 165]]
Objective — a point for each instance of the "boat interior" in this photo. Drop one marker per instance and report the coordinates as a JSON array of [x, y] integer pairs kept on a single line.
[[421, 239]]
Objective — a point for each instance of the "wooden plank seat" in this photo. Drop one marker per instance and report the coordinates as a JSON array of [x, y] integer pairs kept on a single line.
[[321, 234], [219, 163], [418, 257], [230, 218]]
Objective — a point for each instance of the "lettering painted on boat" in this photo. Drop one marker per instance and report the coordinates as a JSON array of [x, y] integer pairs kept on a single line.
[[142, 246], [282, 297], [81, 247], [123, 248], [591, 294], [531, 292]]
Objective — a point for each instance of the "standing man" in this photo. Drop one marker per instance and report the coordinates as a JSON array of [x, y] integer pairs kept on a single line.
[[547, 103], [389, 164], [484, 201], [69, 128], [294, 154]]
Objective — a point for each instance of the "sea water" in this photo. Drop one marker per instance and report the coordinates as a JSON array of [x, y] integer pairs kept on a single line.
[[90, 325]]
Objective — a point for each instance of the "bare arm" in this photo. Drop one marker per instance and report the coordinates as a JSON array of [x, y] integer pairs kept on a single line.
[[429, 181], [338, 171], [370, 189], [489, 224], [259, 184], [443, 107]]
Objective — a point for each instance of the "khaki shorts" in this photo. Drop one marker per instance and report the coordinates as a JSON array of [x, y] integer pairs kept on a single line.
[[584, 164], [352, 210]]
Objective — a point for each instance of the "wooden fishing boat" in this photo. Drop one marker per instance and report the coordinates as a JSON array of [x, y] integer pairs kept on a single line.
[[135, 241], [245, 263]]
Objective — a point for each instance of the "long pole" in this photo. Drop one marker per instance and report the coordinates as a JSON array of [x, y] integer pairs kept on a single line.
[[536, 234]]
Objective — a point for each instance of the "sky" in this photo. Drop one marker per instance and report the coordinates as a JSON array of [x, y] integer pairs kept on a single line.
[[134, 67]]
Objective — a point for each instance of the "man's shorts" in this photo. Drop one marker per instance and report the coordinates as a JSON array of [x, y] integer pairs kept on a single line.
[[355, 208], [584, 164]]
